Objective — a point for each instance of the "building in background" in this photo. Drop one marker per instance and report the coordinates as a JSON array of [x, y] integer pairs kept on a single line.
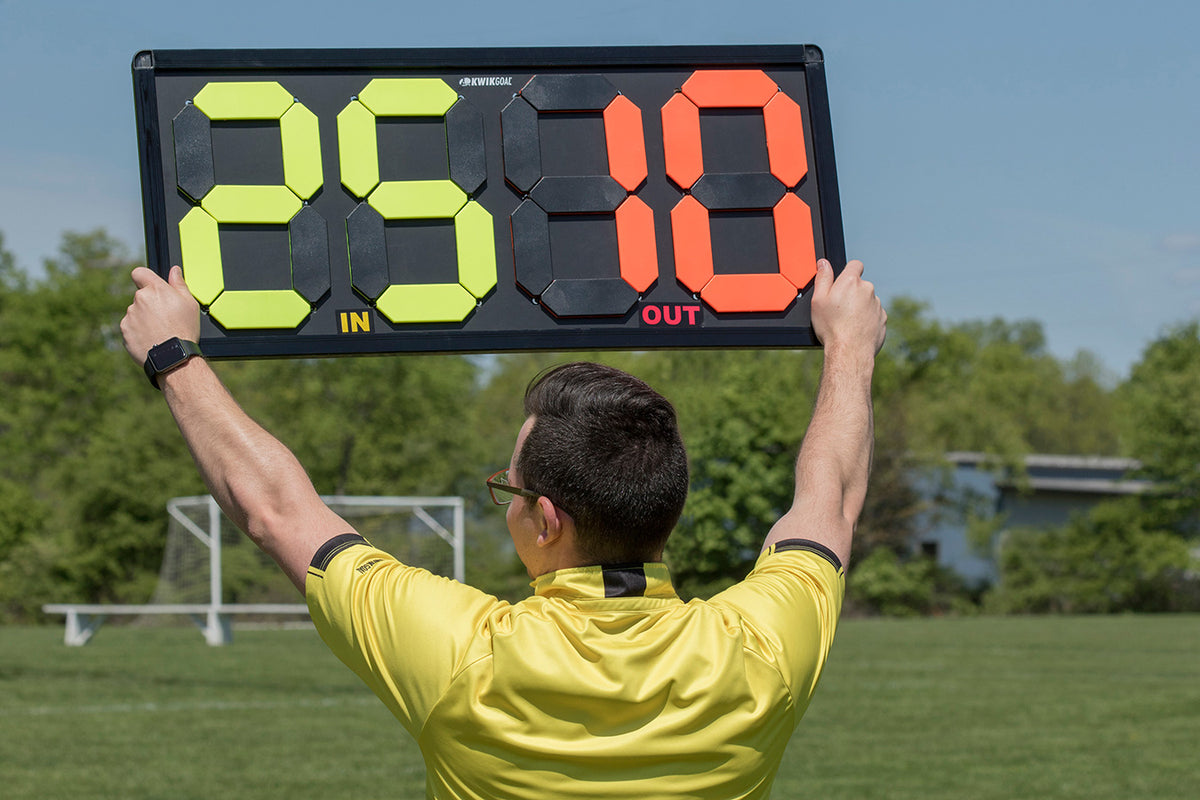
[[1050, 491]]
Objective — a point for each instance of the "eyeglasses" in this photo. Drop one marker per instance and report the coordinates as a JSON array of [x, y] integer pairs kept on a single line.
[[499, 483]]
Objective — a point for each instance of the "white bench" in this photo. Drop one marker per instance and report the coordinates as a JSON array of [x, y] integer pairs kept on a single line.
[[83, 619]]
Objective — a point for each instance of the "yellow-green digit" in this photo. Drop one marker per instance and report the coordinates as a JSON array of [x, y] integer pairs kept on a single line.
[[358, 154], [199, 239]]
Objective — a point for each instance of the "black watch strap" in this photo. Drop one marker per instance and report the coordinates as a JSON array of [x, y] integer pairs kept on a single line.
[[165, 357]]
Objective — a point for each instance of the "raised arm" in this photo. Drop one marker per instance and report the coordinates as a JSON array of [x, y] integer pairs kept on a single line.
[[835, 458], [255, 479]]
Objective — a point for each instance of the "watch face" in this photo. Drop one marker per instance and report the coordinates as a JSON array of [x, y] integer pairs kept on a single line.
[[167, 355]]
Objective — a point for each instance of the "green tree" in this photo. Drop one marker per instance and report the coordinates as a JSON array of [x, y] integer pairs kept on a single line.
[[885, 583], [1104, 561], [992, 387], [395, 424], [20, 513], [742, 415], [1161, 422], [389, 425], [1132, 553], [88, 455]]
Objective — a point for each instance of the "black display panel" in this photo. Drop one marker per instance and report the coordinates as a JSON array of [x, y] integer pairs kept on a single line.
[[327, 202]]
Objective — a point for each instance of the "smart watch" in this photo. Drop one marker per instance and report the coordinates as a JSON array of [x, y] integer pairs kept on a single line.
[[165, 357]]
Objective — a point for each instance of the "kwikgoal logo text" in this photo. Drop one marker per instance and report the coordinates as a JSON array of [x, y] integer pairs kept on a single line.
[[493, 80]]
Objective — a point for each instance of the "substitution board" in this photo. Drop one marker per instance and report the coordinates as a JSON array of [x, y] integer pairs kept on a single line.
[[327, 202]]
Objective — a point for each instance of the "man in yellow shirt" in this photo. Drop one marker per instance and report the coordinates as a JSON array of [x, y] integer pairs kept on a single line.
[[602, 684]]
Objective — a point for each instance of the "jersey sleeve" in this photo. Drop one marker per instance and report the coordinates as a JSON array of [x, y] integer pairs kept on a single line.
[[789, 607], [403, 630]]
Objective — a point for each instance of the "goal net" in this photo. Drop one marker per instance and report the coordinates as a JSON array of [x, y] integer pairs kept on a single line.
[[208, 561]]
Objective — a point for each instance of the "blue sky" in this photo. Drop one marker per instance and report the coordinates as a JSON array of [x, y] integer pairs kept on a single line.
[[1018, 160]]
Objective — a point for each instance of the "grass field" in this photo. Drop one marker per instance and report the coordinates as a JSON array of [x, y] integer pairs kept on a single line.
[[1094, 707]]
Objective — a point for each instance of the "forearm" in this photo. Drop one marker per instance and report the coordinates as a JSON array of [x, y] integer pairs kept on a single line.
[[835, 457], [255, 479], [834, 463]]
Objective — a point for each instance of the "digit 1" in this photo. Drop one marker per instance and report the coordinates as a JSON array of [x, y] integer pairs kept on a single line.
[[358, 154], [783, 120], [199, 233], [533, 261]]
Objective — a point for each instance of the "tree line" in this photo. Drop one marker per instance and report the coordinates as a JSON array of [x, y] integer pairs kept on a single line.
[[89, 454]]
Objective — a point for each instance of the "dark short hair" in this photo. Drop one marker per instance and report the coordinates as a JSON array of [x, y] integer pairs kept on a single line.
[[607, 448]]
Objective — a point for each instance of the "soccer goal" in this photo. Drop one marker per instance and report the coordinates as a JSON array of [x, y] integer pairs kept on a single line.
[[212, 572]]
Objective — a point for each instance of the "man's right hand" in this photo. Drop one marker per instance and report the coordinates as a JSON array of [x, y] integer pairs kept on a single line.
[[846, 314], [160, 310]]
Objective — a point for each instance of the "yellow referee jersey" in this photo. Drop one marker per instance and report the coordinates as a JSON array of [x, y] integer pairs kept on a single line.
[[601, 685]]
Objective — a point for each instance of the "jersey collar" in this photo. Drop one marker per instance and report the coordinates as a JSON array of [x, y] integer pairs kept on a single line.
[[617, 580]]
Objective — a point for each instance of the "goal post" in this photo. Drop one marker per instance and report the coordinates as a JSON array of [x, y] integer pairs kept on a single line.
[[202, 541], [212, 572]]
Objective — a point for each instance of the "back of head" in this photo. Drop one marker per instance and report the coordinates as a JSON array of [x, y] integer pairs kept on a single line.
[[606, 447]]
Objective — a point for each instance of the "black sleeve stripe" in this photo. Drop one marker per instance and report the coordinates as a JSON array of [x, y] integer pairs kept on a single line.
[[337, 544], [810, 546]]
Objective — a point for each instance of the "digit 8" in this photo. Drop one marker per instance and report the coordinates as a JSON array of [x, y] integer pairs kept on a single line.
[[199, 232], [691, 235]]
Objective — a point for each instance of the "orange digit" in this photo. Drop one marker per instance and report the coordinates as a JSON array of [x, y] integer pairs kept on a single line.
[[691, 234]]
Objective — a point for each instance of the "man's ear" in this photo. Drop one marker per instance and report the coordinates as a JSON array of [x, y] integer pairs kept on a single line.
[[554, 521]]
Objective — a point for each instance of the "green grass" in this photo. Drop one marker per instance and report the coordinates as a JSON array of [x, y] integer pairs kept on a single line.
[[1092, 707], [1054, 707]]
